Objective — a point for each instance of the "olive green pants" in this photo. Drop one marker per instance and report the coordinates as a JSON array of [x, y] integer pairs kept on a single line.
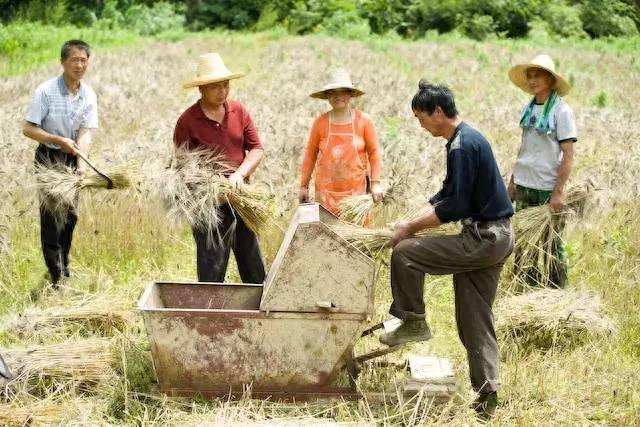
[[557, 260]]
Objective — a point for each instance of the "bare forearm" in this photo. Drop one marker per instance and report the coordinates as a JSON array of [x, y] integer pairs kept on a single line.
[[564, 170], [428, 220], [85, 137], [404, 230], [250, 162]]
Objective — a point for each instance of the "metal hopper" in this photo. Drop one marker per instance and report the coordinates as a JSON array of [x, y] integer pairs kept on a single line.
[[288, 337]]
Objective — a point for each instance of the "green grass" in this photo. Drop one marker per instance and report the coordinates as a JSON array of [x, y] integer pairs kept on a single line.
[[25, 46]]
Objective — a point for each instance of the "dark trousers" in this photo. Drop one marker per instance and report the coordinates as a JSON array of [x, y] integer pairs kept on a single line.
[[213, 254], [475, 257], [56, 231]]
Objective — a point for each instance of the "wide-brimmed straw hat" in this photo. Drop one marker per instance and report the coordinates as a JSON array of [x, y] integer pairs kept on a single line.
[[338, 79], [518, 74], [211, 69]]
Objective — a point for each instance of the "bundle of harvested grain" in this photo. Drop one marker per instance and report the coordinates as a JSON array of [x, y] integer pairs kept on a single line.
[[195, 186], [359, 208], [537, 227], [82, 364], [551, 318], [58, 186]]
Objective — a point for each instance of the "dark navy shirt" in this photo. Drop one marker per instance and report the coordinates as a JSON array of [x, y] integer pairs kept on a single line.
[[473, 187]]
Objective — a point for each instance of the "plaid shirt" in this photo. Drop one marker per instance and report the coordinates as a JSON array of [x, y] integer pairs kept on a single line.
[[55, 111]]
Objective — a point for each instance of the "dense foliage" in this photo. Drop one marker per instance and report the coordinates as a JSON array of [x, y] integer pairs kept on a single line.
[[477, 19]]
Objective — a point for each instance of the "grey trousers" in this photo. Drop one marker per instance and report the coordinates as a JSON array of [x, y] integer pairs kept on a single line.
[[475, 257]]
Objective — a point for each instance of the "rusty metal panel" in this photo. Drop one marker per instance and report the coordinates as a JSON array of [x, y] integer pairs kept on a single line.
[[316, 270], [213, 350], [205, 295]]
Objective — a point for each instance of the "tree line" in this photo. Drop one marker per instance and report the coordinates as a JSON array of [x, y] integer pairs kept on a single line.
[[477, 19]]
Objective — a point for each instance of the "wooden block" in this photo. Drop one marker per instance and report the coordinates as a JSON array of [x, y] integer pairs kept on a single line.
[[430, 369]]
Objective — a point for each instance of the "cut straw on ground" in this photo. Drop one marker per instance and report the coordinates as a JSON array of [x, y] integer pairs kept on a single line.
[[82, 364], [43, 325], [30, 414], [551, 318]]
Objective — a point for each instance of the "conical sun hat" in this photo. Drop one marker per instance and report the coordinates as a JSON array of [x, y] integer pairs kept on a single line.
[[518, 74], [211, 69], [338, 79]]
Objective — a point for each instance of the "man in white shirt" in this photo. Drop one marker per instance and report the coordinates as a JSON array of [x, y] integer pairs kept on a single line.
[[61, 118]]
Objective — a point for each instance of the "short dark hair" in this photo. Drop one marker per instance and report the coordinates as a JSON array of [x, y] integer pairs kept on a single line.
[[70, 44], [430, 96]]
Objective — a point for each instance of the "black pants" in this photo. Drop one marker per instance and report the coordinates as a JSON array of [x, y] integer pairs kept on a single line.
[[213, 255], [56, 232]]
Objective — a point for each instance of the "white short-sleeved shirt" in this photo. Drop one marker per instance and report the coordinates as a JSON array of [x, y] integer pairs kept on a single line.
[[56, 111], [539, 159]]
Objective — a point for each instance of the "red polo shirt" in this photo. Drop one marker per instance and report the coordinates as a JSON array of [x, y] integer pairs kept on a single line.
[[231, 138]]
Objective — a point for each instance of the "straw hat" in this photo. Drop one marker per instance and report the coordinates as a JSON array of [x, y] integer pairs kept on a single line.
[[518, 74], [339, 79], [211, 69]]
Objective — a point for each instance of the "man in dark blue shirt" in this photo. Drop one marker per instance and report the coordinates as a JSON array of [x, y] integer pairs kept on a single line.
[[473, 192]]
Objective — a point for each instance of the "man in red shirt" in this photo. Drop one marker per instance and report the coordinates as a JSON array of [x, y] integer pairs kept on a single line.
[[224, 126]]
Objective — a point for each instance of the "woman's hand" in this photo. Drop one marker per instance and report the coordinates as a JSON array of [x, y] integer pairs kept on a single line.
[[376, 192], [303, 195]]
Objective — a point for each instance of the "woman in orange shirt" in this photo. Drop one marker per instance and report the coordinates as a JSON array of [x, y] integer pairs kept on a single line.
[[342, 144]]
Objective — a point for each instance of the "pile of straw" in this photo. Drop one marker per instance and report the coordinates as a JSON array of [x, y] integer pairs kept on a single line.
[[551, 318], [537, 227], [81, 363], [30, 414], [194, 187], [106, 319]]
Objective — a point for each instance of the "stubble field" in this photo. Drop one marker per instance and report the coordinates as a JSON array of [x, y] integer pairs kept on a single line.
[[123, 240]]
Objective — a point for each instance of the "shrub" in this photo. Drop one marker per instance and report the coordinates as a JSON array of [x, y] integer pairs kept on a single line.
[[111, 17], [478, 27], [510, 18], [563, 20], [349, 25], [384, 16], [428, 15], [223, 13], [608, 18], [147, 20]]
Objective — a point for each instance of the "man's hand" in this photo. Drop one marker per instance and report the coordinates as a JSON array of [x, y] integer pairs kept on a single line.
[[68, 146], [512, 190], [401, 231], [81, 168], [303, 195], [236, 180], [376, 192], [556, 204]]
